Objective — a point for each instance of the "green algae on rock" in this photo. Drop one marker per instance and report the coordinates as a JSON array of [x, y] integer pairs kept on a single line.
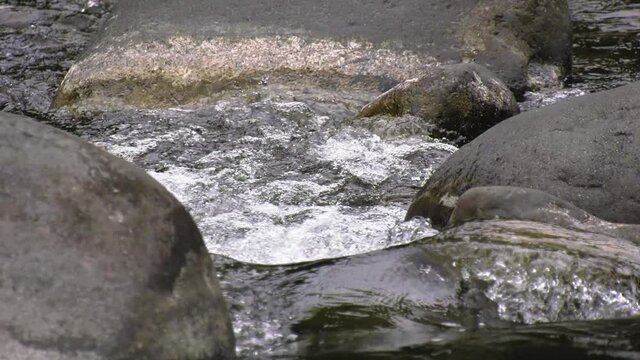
[[461, 101]]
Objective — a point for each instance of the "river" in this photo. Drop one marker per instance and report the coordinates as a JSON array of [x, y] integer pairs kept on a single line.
[[282, 183]]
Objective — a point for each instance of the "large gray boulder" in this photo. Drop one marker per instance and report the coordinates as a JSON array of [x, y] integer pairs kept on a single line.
[[163, 53], [584, 150], [97, 260]]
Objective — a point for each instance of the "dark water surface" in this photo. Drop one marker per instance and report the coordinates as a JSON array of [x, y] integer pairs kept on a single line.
[[282, 180], [606, 43]]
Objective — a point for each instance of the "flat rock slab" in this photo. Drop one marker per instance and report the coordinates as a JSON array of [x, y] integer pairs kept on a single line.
[[98, 260], [162, 53], [585, 150]]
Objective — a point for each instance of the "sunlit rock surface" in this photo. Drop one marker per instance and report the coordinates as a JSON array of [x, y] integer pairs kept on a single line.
[[164, 53], [98, 260]]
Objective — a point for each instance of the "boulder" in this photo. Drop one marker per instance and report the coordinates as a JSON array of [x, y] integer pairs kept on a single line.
[[163, 53], [98, 260], [460, 100], [521, 41], [583, 150]]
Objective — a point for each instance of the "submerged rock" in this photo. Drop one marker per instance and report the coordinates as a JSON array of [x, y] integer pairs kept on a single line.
[[380, 300], [159, 54], [461, 101], [538, 272], [479, 276], [516, 39], [584, 150], [98, 260]]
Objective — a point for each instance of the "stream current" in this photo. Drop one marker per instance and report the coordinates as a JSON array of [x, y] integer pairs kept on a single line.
[[283, 186]]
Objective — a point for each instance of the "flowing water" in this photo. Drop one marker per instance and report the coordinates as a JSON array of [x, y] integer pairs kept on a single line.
[[285, 186]]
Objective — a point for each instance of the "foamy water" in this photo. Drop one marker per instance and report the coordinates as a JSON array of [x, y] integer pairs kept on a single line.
[[285, 184]]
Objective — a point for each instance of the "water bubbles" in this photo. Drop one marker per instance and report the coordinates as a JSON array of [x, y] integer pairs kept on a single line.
[[534, 100], [570, 276], [277, 180]]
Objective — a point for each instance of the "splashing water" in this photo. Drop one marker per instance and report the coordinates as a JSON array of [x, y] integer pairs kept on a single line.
[[277, 182]]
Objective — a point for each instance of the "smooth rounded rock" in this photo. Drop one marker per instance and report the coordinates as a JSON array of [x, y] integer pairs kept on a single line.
[[584, 150], [514, 203], [460, 100], [98, 260], [163, 53]]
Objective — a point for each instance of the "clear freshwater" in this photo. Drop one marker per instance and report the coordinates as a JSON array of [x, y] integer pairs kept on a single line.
[[302, 208]]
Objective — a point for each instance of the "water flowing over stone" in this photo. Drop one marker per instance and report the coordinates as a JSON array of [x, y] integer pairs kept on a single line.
[[279, 180], [288, 168]]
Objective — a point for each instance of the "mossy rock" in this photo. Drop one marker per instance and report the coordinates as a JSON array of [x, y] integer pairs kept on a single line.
[[461, 101]]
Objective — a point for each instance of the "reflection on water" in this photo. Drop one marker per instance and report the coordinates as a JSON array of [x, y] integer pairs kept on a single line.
[[443, 295], [606, 50]]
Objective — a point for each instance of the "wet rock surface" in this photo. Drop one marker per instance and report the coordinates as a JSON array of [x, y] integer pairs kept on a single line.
[[305, 42], [514, 39], [583, 150], [513, 203], [40, 40], [98, 260], [460, 101], [479, 278], [561, 273]]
